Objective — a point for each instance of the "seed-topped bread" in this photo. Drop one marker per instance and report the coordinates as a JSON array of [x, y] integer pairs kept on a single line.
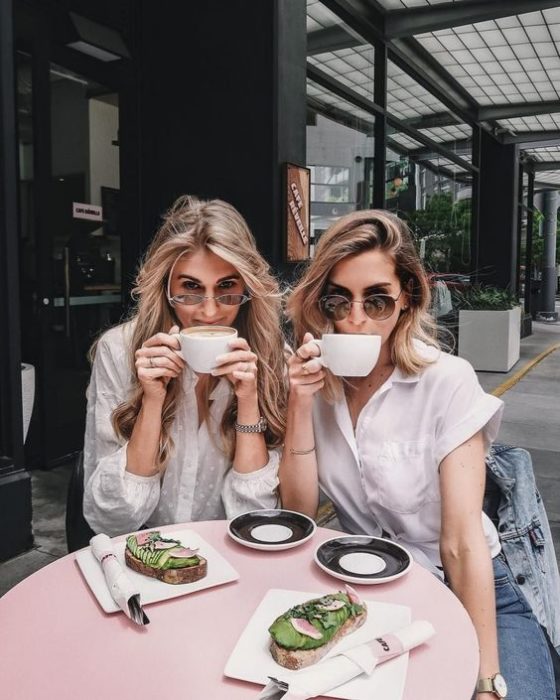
[[306, 632], [166, 559]]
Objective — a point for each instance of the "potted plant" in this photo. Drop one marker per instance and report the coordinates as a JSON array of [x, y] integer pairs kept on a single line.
[[489, 327]]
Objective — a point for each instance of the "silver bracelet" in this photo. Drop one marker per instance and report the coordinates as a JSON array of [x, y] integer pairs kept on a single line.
[[302, 452], [259, 427]]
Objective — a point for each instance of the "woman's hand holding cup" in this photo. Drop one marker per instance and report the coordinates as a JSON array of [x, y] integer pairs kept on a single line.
[[157, 361], [239, 366], [305, 370]]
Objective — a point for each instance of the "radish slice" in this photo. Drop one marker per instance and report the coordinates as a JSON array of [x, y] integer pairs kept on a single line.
[[306, 628], [353, 597], [334, 605]]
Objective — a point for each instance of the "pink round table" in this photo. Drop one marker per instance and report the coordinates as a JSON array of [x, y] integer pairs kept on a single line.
[[57, 644]]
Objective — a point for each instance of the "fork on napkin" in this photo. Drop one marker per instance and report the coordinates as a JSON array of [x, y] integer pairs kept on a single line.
[[337, 670], [122, 590]]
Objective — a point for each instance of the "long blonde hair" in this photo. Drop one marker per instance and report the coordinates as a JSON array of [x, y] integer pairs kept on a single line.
[[189, 225], [356, 233]]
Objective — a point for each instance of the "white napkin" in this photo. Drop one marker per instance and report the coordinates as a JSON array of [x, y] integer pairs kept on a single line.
[[123, 591], [337, 670]]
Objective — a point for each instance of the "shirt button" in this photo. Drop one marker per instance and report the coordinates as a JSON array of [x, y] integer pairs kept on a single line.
[[520, 579]]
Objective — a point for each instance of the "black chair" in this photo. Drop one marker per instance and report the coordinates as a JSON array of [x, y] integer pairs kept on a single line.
[[78, 532]]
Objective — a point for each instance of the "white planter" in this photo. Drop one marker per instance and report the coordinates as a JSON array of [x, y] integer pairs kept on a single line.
[[489, 340], [27, 394]]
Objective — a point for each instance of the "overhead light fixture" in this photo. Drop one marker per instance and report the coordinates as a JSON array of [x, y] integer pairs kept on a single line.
[[97, 40]]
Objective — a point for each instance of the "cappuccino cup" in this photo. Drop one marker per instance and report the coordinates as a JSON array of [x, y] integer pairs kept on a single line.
[[349, 355], [200, 345]]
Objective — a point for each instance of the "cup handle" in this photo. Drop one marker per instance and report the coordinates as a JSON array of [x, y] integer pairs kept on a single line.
[[321, 358]]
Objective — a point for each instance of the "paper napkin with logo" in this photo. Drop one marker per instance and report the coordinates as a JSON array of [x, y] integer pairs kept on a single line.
[[337, 670]]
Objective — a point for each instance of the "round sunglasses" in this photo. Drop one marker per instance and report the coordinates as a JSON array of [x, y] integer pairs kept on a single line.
[[193, 299], [378, 307]]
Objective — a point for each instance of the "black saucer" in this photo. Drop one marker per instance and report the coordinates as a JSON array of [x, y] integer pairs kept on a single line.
[[271, 529], [363, 559]]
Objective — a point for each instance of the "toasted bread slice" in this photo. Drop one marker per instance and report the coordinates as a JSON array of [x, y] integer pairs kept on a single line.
[[186, 574], [302, 635]]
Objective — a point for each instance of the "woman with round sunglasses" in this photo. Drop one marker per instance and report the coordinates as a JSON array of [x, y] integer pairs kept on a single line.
[[400, 452], [163, 444]]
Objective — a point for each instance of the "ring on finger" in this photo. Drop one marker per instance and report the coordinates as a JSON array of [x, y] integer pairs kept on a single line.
[[152, 363], [300, 357]]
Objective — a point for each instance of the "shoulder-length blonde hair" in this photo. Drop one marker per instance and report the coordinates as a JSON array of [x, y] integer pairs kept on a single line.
[[192, 224], [356, 233]]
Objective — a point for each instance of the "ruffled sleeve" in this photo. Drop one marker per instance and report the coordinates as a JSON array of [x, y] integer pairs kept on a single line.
[[254, 490], [465, 410], [115, 501]]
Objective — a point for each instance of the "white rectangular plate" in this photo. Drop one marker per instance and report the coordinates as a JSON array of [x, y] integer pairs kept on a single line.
[[151, 589], [251, 659]]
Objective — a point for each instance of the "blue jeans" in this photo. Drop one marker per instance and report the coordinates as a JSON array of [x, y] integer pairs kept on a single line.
[[524, 654]]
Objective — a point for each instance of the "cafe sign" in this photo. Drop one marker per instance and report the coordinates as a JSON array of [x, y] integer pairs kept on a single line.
[[89, 212], [297, 211]]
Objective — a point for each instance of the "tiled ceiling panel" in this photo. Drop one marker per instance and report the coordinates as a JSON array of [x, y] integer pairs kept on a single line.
[[508, 60]]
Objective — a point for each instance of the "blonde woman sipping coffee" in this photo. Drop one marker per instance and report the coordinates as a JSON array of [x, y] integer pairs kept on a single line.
[[162, 443], [400, 451]]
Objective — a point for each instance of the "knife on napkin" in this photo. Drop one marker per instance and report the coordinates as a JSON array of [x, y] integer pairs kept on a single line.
[[337, 670], [122, 590]]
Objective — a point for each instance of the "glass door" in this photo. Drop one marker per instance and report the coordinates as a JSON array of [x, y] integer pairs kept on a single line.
[[71, 272]]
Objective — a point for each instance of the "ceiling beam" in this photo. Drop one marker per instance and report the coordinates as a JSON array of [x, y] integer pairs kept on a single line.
[[417, 20], [460, 146], [331, 39], [340, 116], [361, 16], [414, 60], [522, 109], [432, 121], [533, 139], [541, 165]]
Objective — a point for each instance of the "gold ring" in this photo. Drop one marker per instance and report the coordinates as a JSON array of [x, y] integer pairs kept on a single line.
[[303, 359]]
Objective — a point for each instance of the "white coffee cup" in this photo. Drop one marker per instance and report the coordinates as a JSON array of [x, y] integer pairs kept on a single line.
[[349, 355], [201, 345]]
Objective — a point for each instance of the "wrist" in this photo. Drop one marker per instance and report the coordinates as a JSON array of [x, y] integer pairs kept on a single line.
[[153, 403]]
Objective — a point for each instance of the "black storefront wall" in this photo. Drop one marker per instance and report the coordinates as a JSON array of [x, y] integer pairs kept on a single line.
[[498, 213], [15, 485], [221, 106], [213, 104]]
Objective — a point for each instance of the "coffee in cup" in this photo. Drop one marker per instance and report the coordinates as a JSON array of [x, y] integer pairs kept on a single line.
[[200, 345], [349, 355]]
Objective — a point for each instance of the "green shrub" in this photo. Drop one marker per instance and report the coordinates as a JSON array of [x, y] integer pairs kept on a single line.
[[484, 298]]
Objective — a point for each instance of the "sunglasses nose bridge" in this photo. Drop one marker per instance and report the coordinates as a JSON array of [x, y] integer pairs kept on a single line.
[[357, 313]]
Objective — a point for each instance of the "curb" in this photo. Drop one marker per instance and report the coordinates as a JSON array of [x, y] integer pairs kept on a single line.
[[515, 378]]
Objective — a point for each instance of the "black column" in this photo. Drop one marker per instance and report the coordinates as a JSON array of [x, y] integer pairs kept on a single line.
[[15, 487], [222, 106], [380, 128], [498, 225]]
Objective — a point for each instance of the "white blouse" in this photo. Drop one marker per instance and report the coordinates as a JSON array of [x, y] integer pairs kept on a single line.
[[199, 482], [385, 477]]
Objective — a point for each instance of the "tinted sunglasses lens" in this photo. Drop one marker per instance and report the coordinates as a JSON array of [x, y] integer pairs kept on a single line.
[[187, 299], [232, 299], [335, 308], [379, 306]]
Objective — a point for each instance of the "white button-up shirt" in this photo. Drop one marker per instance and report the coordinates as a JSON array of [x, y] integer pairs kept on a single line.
[[199, 482], [384, 476]]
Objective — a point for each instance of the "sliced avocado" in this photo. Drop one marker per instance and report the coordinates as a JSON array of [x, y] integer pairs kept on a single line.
[[326, 622]]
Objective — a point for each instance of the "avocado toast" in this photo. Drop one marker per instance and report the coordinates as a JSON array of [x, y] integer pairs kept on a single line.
[[151, 554], [306, 632]]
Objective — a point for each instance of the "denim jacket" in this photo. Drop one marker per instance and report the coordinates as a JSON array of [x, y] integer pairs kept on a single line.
[[514, 504]]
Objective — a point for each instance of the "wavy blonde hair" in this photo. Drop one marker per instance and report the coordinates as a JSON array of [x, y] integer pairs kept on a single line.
[[360, 231], [189, 225]]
